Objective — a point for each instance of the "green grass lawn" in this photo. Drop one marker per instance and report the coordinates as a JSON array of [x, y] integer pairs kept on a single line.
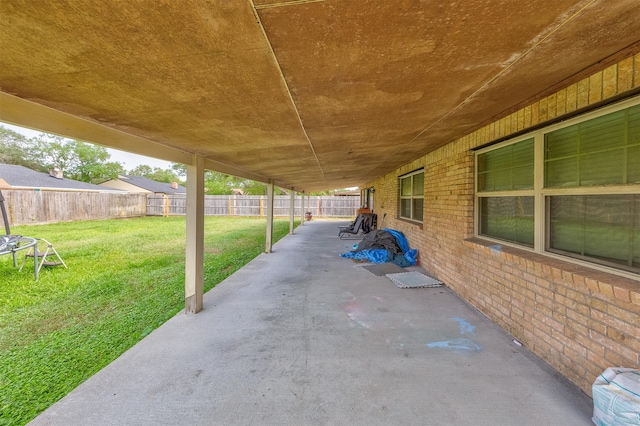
[[125, 278]]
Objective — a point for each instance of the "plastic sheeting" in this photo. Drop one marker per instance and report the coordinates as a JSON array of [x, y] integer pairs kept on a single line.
[[616, 397], [369, 255], [377, 247], [401, 240]]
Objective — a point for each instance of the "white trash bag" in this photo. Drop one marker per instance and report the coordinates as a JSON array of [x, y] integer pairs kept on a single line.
[[616, 397]]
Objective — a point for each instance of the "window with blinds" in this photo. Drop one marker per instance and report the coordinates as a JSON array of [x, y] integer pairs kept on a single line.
[[507, 168], [605, 228], [412, 196], [508, 218], [572, 189], [505, 179], [601, 151]]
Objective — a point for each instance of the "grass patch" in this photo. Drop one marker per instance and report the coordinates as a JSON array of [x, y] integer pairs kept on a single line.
[[125, 278]]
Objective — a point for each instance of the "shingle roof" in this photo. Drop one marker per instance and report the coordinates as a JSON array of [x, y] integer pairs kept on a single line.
[[20, 176], [152, 185]]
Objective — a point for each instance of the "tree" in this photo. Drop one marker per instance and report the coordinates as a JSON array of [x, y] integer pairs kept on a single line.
[[14, 149], [141, 170], [156, 173], [77, 159], [217, 183]]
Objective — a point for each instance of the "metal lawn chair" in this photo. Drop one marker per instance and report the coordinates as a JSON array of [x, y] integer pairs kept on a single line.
[[11, 244], [364, 223]]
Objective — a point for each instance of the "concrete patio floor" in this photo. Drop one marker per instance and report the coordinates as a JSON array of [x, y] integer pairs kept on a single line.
[[303, 337]]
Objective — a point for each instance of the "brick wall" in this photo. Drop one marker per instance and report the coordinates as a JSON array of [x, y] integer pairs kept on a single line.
[[578, 319]]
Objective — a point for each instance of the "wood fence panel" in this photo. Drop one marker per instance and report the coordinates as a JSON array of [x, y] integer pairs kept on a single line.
[[31, 206], [254, 205], [178, 205], [156, 205], [216, 205]]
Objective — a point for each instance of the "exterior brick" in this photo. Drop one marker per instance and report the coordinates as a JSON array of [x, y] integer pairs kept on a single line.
[[625, 74], [622, 294], [579, 320], [624, 316], [606, 289], [572, 98], [630, 341], [617, 360], [583, 94], [610, 81], [611, 346], [595, 88], [598, 304]]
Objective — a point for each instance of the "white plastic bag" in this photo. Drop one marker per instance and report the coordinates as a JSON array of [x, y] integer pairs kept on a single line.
[[616, 397]]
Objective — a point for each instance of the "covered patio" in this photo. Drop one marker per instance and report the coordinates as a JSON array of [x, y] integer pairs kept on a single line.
[[306, 95], [302, 336], [400, 99]]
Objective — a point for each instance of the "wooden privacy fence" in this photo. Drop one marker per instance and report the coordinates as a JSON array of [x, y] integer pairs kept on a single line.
[[36, 206], [254, 205], [42, 206]]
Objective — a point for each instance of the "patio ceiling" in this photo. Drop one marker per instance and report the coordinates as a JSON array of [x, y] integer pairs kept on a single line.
[[314, 94]]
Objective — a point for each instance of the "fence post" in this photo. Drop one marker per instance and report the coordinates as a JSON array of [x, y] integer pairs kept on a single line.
[[269, 236], [292, 210], [44, 206], [194, 256]]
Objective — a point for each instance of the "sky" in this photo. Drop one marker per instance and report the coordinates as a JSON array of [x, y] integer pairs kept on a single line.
[[129, 161]]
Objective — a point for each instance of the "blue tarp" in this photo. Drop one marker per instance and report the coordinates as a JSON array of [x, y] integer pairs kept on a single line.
[[381, 255], [370, 255], [400, 239]]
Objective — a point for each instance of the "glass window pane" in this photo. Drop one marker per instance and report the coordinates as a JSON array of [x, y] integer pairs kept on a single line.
[[418, 204], [602, 168], [501, 180], [508, 218], [633, 163], [405, 208], [523, 177], [634, 125], [522, 152], [405, 186], [633, 150], [493, 160], [603, 228], [600, 151], [562, 143], [418, 184], [562, 172], [603, 133], [507, 168]]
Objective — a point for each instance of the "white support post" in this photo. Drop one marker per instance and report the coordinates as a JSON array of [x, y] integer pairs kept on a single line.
[[270, 200], [302, 209], [292, 210], [194, 268]]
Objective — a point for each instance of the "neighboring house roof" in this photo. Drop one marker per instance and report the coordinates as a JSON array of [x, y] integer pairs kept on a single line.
[[12, 176], [146, 185]]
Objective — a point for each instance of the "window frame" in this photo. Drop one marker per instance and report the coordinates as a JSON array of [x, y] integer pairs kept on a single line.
[[542, 195], [411, 197]]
